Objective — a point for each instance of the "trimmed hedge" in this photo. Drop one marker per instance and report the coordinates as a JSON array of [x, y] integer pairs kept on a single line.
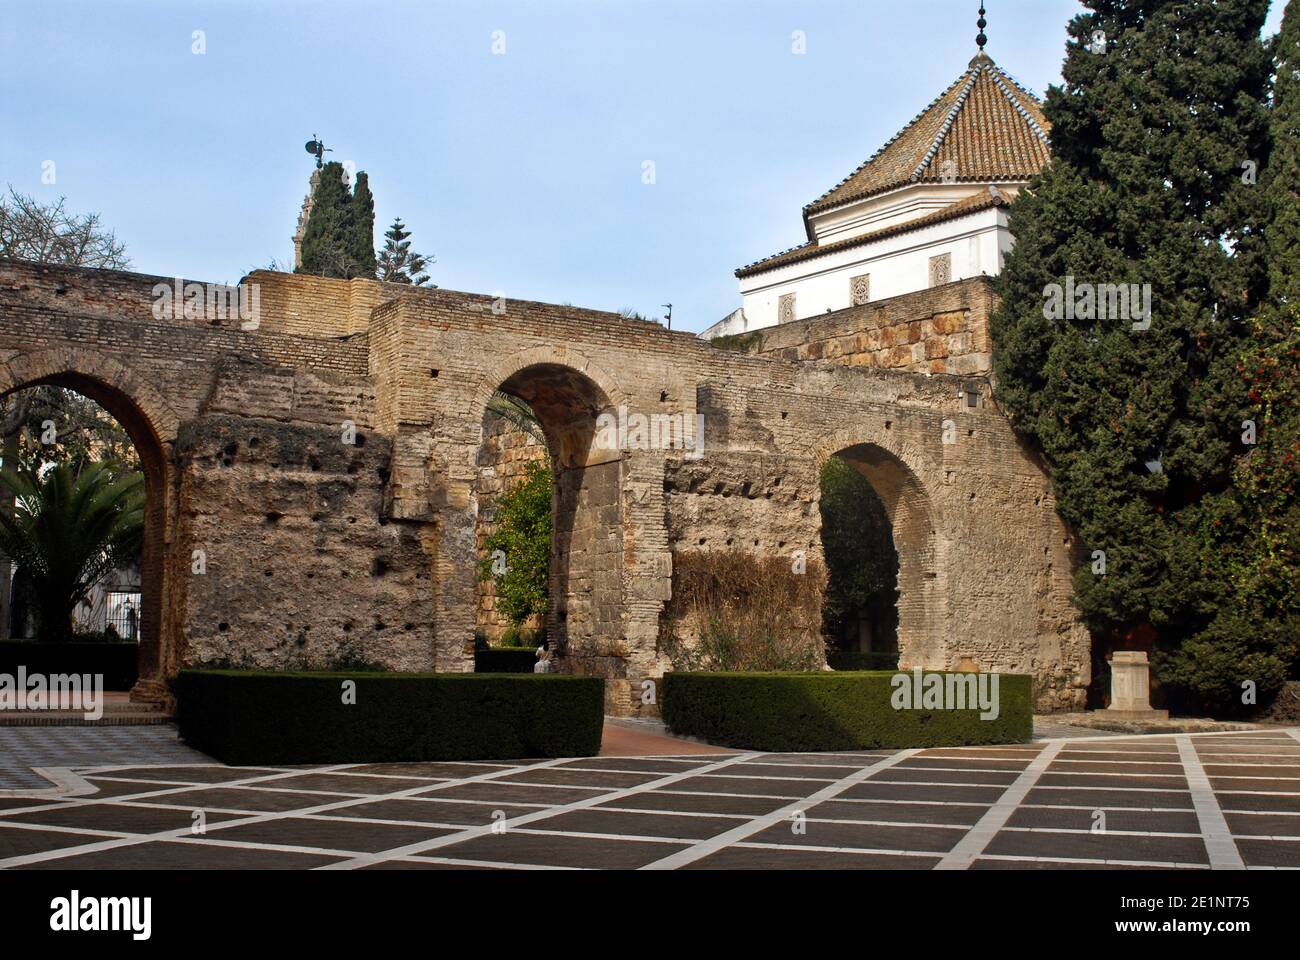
[[118, 662], [855, 661], [505, 660], [797, 712], [255, 717]]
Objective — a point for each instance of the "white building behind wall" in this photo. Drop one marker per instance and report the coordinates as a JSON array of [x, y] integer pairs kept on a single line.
[[929, 208]]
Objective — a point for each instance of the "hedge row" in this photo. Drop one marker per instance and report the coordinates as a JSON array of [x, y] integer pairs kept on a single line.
[[254, 717], [117, 662], [505, 660], [793, 712], [853, 660]]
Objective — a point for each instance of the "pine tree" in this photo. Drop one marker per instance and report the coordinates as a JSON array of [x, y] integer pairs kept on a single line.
[[331, 245], [362, 247], [397, 262], [1164, 108]]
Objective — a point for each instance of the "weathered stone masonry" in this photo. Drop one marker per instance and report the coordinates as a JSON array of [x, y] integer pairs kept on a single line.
[[318, 552]]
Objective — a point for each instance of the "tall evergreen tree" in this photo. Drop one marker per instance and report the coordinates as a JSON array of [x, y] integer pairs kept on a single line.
[[331, 242], [362, 247], [1282, 178], [1163, 112], [397, 262]]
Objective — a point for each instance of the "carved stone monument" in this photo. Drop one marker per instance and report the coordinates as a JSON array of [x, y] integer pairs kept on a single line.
[[1130, 687]]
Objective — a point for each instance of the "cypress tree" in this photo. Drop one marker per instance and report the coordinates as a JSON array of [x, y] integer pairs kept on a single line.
[[1282, 178], [362, 246], [325, 243], [1163, 112]]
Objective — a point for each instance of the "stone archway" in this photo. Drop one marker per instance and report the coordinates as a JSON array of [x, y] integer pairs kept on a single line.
[[912, 516], [152, 426]]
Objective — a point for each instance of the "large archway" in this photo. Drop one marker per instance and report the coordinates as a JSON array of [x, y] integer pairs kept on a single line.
[[584, 614], [919, 606], [151, 426]]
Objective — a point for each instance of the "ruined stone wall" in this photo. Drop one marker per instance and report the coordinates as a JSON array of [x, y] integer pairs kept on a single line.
[[321, 552], [942, 330]]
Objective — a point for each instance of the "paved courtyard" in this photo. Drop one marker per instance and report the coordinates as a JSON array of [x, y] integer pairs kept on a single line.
[[1164, 802]]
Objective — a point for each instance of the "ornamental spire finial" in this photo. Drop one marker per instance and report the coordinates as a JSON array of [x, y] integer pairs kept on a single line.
[[982, 39]]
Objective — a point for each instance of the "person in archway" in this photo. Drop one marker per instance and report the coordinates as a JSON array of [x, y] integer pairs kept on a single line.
[[130, 622], [543, 664]]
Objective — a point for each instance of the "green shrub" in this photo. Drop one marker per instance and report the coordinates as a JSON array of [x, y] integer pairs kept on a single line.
[[852, 660], [523, 535], [505, 660], [254, 717], [795, 712]]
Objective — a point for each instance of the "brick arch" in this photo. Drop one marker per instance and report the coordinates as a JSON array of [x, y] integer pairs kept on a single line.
[[153, 426], [549, 354], [915, 522], [94, 370]]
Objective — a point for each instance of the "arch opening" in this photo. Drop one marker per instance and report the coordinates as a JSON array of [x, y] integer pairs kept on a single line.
[[78, 418], [582, 620], [884, 545]]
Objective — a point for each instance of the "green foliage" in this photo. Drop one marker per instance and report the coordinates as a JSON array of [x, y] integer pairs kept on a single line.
[[523, 534], [1282, 177], [398, 263], [1146, 186], [69, 527], [339, 222], [858, 544], [796, 712], [751, 342], [83, 431], [254, 717]]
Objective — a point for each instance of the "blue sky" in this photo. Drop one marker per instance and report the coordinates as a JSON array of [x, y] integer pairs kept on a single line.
[[521, 172]]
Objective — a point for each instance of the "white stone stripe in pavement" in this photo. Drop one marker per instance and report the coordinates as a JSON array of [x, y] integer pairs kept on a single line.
[[969, 847], [1219, 845], [738, 834]]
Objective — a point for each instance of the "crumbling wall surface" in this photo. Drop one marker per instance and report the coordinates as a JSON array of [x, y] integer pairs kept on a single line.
[[283, 557]]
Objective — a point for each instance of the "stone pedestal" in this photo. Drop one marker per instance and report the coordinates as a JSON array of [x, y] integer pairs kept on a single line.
[[1130, 687]]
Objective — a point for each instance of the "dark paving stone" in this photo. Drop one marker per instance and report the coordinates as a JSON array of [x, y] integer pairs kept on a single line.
[[793, 789], [639, 764], [993, 777], [118, 817], [817, 834], [20, 803], [1121, 757], [1256, 770], [1023, 756], [558, 851], [1171, 821], [1264, 802], [824, 773], [897, 812], [1099, 799], [430, 771], [1095, 846], [962, 763], [637, 824], [344, 783], [772, 858], [328, 834], [1263, 824], [1048, 865], [185, 855], [17, 842], [194, 773], [503, 793], [1256, 784], [697, 803], [1171, 782], [581, 778], [429, 811], [873, 790], [237, 798], [113, 788], [858, 760], [1269, 853], [426, 865], [1070, 765]]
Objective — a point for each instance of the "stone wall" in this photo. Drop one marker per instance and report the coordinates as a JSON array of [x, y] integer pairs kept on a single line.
[[319, 551]]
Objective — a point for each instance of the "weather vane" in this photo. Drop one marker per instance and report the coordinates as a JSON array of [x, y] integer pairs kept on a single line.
[[317, 150], [982, 39]]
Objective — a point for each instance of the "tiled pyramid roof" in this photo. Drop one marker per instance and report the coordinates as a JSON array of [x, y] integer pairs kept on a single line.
[[986, 124]]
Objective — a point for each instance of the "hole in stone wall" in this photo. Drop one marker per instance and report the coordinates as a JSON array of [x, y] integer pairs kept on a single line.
[[379, 566], [273, 516], [223, 627]]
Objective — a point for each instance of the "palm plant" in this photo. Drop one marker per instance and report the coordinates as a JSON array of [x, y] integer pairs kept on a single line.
[[72, 523]]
